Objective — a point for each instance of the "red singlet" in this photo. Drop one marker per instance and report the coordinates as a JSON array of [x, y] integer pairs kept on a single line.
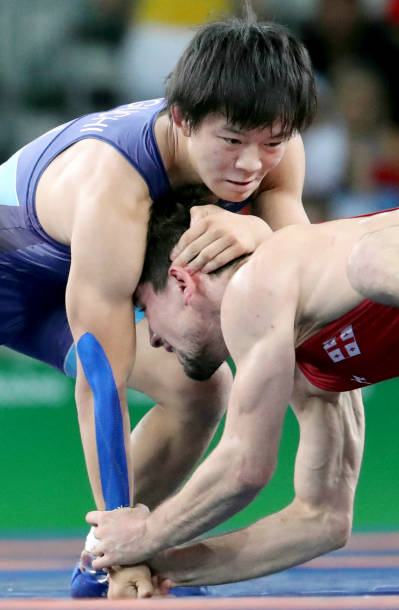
[[358, 349]]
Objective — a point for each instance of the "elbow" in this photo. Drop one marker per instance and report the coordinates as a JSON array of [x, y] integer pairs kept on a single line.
[[339, 528], [251, 476], [245, 471], [328, 527], [334, 527]]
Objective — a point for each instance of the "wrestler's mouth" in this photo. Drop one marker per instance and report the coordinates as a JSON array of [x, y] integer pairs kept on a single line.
[[157, 341], [246, 183]]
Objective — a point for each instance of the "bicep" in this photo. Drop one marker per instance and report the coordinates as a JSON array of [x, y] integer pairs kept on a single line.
[[107, 251], [260, 340], [259, 401]]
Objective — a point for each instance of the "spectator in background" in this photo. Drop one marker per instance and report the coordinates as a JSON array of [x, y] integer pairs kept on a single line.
[[372, 174], [57, 61], [352, 149], [341, 31], [157, 33], [327, 154]]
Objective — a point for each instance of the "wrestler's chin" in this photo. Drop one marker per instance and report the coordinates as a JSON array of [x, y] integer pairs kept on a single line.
[[233, 192], [199, 370], [239, 191]]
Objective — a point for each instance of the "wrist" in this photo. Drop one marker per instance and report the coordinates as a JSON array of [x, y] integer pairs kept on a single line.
[[163, 565], [155, 536]]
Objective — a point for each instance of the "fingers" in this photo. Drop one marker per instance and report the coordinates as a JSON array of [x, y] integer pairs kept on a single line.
[[144, 589], [184, 250], [224, 257], [164, 587], [131, 582], [202, 249], [97, 517], [201, 222], [103, 561], [213, 241], [210, 253], [113, 531], [214, 255], [93, 516], [118, 590]]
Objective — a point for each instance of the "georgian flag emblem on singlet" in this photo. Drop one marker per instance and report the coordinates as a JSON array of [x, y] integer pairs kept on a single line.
[[342, 346]]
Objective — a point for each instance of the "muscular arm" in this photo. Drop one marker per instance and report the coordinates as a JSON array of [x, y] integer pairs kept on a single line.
[[108, 236], [261, 342], [317, 521], [172, 436]]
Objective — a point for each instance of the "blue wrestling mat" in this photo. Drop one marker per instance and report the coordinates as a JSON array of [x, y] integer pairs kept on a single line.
[[308, 582], [369, 566], [296, 582]]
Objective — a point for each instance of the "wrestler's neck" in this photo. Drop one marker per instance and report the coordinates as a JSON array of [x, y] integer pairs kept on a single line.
[[213, 285], [174, 149]]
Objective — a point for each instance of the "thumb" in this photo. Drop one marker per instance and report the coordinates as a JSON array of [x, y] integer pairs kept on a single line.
[[130, 582], [92, 517], [143, 581], [144, 589], [164, 586]]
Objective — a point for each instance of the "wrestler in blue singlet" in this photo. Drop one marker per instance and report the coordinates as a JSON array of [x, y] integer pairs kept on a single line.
[[34, 267]]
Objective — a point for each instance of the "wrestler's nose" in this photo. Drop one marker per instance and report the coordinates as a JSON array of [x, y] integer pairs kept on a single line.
[[249, 159], [155, 340]]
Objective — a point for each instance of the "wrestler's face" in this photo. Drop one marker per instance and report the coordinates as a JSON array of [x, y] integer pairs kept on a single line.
[[230, 161], [193, 333]]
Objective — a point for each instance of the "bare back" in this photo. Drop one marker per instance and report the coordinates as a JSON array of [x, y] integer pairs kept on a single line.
[[319, 255]]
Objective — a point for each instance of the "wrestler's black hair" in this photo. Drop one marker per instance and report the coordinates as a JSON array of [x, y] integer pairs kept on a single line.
[[170, 217], [255, 74]]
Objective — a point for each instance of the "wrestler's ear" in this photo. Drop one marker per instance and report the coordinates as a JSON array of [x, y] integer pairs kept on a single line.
[[180, 121], [184, 281]]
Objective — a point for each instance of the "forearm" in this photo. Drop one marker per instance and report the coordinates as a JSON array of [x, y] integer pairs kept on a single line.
[[280, 209], [318, 521], [211, 496], [164, 453], [239, 467], [277, 542], [92, 450]]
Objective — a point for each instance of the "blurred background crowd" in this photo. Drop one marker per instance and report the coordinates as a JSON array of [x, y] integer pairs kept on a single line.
[[63, 58]]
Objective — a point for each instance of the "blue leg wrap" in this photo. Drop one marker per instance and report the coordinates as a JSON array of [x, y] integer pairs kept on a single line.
[[108, 422], [111, 450]]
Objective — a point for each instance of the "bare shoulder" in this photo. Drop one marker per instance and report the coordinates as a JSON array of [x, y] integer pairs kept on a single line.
[[89, 170], [281, 257], [267, 285]]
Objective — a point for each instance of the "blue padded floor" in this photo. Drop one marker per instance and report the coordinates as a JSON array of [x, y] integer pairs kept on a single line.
[[295, 582], [369, 566]]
